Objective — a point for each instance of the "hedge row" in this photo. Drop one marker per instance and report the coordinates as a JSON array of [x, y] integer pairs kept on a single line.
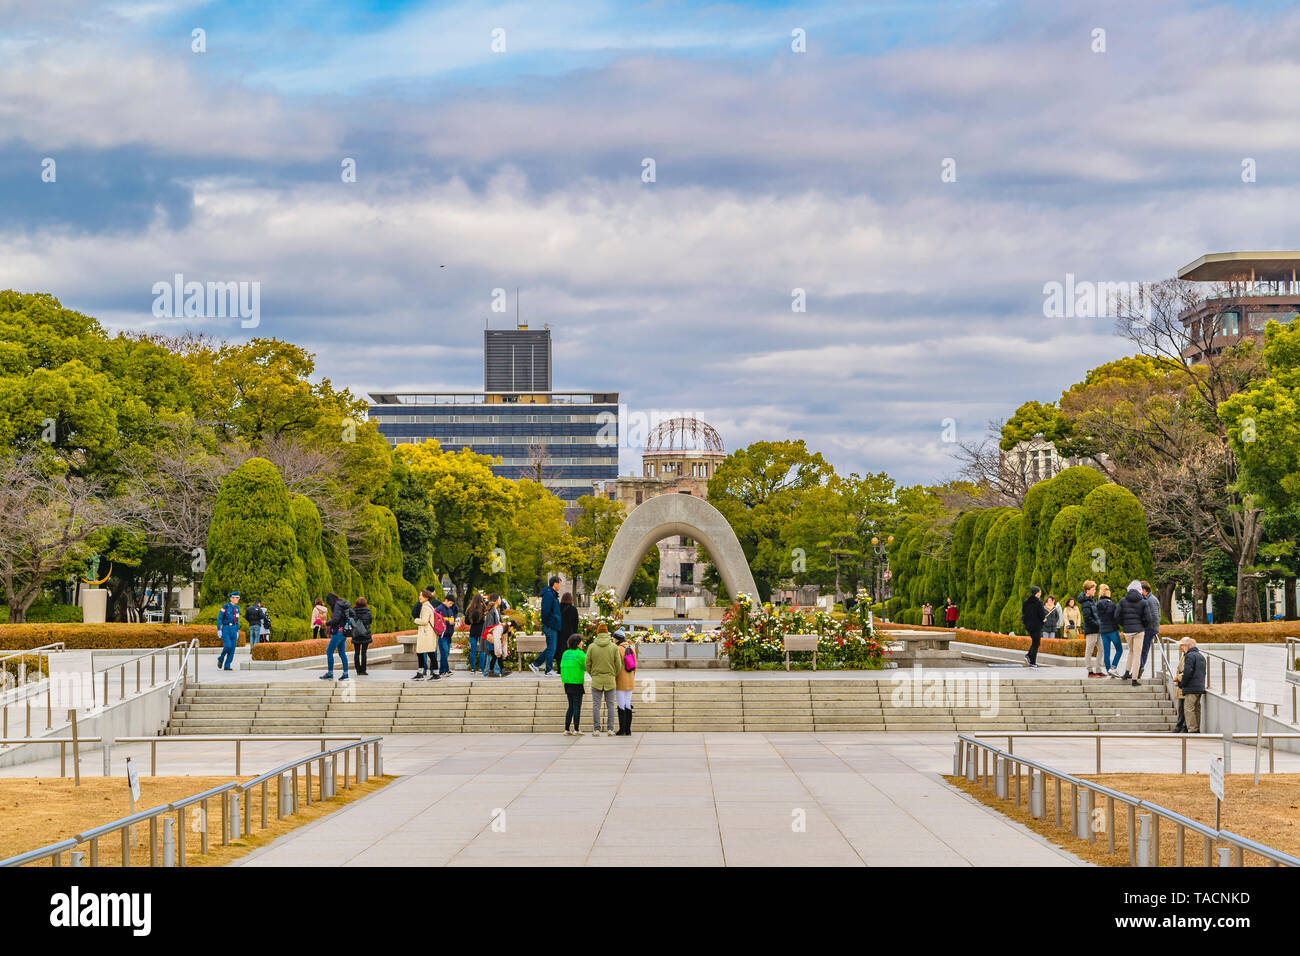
[[294, 650], [17, 637], [1072, 527]]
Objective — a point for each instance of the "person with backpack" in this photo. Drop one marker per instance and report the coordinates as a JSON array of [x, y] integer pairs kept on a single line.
[[475, 615], [361, 636], [1134, 617], [625, 682], [444, 626], [256, 616], [426, 641], [573, 673], [604, 662], [338, 627]]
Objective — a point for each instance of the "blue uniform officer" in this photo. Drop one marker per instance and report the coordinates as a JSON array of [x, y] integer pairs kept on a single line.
[[228, 631]]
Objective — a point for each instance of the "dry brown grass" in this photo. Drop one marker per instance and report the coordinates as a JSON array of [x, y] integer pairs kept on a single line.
[[1268, 814], [42, 810]]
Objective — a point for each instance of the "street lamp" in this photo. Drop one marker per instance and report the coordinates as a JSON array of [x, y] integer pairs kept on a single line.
[[880, 568]]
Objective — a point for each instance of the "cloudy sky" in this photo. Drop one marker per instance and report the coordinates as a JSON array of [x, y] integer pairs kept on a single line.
[[774, 170]]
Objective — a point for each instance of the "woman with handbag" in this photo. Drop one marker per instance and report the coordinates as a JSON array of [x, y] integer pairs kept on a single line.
[[624, 683], [494, 638], [426, 641]]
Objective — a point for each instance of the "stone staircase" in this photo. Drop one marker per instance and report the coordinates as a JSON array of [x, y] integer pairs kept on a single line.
[[521, 705]]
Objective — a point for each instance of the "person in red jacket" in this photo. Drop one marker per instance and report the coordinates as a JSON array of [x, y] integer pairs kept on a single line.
[[949, 613]]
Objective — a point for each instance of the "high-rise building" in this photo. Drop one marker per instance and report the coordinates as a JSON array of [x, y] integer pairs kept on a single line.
[[517, 360], [1248, 290], [565, 440]]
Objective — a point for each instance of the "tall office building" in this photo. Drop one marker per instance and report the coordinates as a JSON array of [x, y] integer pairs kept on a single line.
[[565, 440], [517, 360]]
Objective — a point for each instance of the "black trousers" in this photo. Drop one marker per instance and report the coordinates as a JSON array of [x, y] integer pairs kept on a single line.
[[359, 655], [1034, 640], [574, 692]]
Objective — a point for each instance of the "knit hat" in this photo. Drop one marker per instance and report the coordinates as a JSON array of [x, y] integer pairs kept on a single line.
[[1135, 585]]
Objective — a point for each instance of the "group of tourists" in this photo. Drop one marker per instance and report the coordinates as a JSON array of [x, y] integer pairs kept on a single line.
[[610, 661], [947, 613], [1106, 626], [343, 621]]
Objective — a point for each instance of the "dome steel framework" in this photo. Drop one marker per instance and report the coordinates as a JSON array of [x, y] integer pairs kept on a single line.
[[683, 435]]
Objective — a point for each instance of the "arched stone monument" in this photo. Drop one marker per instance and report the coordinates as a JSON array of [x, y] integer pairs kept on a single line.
[[666, 515]]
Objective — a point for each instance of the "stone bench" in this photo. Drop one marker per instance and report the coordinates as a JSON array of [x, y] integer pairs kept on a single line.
[[800, 642], [528, 644], [923, 645]]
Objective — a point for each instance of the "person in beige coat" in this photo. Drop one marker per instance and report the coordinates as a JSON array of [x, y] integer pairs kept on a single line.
[[426, 641], [604, 662]]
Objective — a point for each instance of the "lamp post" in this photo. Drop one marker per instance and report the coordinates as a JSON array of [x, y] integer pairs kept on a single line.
[[880, 568]]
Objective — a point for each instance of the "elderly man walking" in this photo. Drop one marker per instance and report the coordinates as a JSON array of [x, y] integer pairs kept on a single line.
[[1192, 684]]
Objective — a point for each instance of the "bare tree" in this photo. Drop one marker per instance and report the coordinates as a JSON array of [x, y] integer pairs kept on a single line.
[[1180, 328], [1002, 480], [47, 520]]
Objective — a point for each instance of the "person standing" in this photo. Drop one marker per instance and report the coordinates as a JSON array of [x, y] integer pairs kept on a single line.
[[1134, 617], [1052, 622], [447, 611], [573, 672], [361, 636], [1092, 643], [949, 613], [568, 621], [318, 615], [426, 641], [493, 636], [1108, 621], [228, 631], [254, 615], [1181, 726], [1073, 618], [1193, 684], [551, 621], [927, 615], [625, 682], [603, 665], [338, 635], [1153, 625], [1032, 615], [475, 614]]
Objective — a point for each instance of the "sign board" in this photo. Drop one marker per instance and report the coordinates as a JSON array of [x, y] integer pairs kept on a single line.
[[133, 778], [1216, 776], [1263, 674]]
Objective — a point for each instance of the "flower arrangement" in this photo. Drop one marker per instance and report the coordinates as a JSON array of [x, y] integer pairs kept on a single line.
[[608, 605], [753, 637]]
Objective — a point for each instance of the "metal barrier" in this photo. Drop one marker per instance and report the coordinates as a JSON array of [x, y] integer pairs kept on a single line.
[[233, 823], [1012, 735], [981, 762], [184, 650], [1224, 688], [42, 655]]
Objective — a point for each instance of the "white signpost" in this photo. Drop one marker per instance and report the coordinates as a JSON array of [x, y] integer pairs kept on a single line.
[[1216, 787], [133, 781], [1263, 681]]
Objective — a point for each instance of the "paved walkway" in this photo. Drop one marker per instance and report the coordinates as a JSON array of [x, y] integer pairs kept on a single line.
[[660, 799]]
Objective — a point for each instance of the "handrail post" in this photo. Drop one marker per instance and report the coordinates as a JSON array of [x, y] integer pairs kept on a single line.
[[1144, 839]]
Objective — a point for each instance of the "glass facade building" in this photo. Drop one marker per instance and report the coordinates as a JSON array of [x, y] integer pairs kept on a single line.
[[566, 440]]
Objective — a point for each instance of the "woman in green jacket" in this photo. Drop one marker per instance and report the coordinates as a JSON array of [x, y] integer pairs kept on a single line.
[[603, 665], [573, 671]]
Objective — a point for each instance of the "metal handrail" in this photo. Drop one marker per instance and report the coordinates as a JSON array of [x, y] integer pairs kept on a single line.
[[125, 824], [182, 676], [43, 651], [965, 762], [1100, 735], [1224, 663]]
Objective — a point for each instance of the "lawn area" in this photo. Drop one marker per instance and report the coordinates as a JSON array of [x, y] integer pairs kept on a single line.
[[1268, 814], [38, 811]]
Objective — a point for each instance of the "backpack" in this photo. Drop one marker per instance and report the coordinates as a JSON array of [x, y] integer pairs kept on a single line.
[[629, 659], [357, 627], [439, 622]]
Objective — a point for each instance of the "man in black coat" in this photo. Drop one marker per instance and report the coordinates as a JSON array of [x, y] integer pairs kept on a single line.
[[1032, 615], [1193, 685], [1133, 612]]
